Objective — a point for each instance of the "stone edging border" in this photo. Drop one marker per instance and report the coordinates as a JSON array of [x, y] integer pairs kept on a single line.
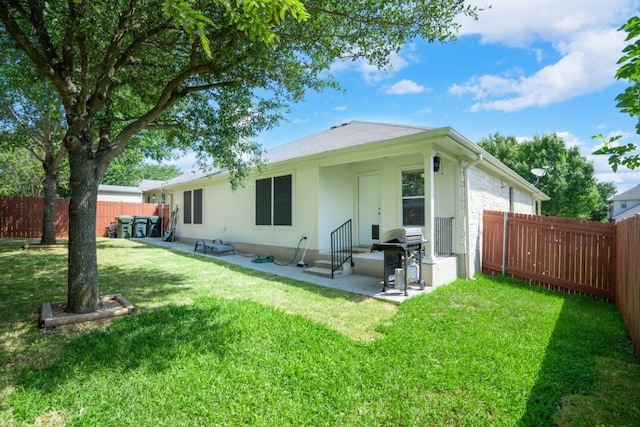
[[47, 319]]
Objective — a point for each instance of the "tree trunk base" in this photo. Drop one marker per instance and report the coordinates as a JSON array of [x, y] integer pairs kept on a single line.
[[54, 314]]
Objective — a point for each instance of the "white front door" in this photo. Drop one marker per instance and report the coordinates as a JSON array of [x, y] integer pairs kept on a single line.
[[368, 209]]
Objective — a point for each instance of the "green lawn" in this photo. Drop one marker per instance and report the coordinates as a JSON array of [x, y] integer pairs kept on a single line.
[[216, 344]]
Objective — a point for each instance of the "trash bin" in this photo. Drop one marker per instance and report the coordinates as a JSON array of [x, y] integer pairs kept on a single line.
[[124, 227], [139, 226], [153, 226]]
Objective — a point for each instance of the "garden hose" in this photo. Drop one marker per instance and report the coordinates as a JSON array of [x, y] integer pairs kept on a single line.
[[270, 258]]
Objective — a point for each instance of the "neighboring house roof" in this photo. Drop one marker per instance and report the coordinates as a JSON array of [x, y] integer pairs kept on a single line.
[[357, 133], [628, 213], [631, 194], [120, 189], [148, 184]]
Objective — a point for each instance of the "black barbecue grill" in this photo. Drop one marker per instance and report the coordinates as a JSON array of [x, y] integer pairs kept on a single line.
[[401, 244]]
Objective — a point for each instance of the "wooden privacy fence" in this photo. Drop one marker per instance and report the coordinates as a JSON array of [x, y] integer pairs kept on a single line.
[[587, 257], [627, 264], [22, 216], [557, 253]]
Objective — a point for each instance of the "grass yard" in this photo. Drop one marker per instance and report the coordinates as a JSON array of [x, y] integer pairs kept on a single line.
[[216, 344]]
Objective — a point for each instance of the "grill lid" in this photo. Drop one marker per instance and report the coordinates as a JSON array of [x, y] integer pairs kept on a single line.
[[402, 235]]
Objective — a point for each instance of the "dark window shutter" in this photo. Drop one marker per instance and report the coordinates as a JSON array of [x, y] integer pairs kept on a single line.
[[197, 206], [282, 200], [263, 201], [187, 207]]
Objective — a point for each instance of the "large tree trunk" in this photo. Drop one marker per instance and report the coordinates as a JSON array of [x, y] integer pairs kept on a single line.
[[49, 218], [83, 287]]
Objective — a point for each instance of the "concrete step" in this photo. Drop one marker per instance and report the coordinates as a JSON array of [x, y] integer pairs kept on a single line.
[[323, 263], [320, 271], [322, 268]]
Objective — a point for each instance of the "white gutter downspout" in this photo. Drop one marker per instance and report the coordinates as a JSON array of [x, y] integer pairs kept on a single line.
[[467, 258]]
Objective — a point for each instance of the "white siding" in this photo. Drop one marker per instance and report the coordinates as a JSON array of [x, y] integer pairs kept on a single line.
[[487, 192]]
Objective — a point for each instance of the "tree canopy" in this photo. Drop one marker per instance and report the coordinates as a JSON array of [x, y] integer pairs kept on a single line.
[[31, 128], [569, 179], [212, 74], [130, 168], [628, 101]]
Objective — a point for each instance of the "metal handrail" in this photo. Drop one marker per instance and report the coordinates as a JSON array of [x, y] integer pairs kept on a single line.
[[341, 246]]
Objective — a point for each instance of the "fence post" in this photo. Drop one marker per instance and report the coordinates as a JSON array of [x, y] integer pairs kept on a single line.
[[505, 240]]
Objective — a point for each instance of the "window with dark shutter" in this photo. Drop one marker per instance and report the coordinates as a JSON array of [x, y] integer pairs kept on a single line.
[[193, 207], [274, 201]]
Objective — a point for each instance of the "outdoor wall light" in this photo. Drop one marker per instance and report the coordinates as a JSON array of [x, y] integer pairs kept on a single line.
[[436, 164]]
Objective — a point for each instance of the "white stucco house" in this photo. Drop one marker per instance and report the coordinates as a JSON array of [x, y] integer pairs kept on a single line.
[[374, 177], [625, 205]]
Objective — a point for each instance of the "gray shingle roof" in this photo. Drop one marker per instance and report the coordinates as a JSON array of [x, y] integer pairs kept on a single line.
[[631, 194], [341, 136], [119, 189], [628, 213]]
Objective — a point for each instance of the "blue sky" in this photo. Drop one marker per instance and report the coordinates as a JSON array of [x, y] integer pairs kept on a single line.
[[524, 68]]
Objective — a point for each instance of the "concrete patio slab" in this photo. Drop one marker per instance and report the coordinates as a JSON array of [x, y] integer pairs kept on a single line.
[[354, 283]]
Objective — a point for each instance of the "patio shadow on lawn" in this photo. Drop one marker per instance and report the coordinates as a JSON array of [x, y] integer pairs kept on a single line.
[[572, 365]]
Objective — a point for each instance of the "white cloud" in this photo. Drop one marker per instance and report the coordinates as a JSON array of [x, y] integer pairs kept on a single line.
[[588, 65], [340, 108], [519, 23], [522, 139], [583, 32], [186, 162], [622, 180], [404, 87], [372, 74], [570, 140]]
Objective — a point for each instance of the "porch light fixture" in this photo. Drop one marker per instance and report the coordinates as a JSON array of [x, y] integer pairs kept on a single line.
[[436, 164]]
